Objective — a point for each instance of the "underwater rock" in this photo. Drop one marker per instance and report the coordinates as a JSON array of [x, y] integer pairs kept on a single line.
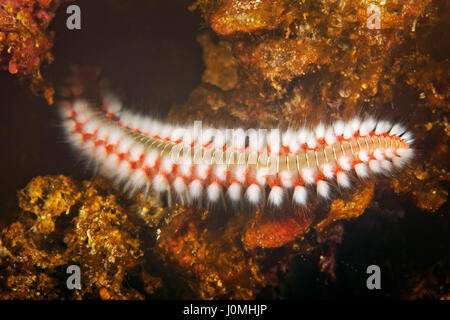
[[65, 223], [25, 43], [273, 232]]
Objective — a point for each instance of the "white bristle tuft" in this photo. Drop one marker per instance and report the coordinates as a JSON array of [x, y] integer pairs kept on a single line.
[[287, 137], [137, 180], [253, 194], [320, 131], [311, 141], [289, 140], [276, 196], [112, 103], [195, 189], [214, 190], [294, 146], [330, 138], [375, 166], [339, 128], [179, 186], [155, 128], [240, 173], [363, 155], [126, 118], [323, 189], [91, 126], [404, 157], [367, 126], [261, 175], [69, 127], [382, 127], [82, 117], [160, 183], [327, 170], [407, 137], [219, 139], [361, 170], [302, 135], [378, 154], [308, 175], [300, 195], [114, 137], [136, 152], [123, 171], [355, 124], [397, 130], [238, 139], [88, 147], [145, 126], [287, 179], [124, 145], [405, 153], [342, 179], [398, 162], [185, 169], [221, 172], [256, 140], [103, 132], [188, 137], [349, 130], [100, 154], [110, 165], [386, 165], [80, 106], [207, 136], [389, 153], [202, 171], [273, 141], [136, 122], [177, 134], [345, 163], [166, 131], [235, 192]]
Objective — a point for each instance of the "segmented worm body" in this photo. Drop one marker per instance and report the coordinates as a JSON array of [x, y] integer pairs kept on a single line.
[[257, 166]]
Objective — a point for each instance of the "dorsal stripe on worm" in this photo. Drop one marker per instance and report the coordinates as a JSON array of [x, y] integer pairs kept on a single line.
[[143, 153]]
